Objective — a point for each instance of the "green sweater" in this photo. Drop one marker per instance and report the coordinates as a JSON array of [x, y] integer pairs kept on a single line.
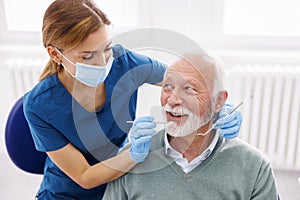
[[235, 170]]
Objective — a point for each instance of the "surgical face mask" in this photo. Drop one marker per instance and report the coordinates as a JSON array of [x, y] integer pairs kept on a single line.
[[93, 75], [90, 75]]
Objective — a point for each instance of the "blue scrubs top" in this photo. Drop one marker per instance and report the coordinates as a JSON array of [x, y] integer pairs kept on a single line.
[[56, 119]]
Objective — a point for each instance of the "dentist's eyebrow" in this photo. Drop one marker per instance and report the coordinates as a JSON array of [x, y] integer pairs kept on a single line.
[[96, 51]]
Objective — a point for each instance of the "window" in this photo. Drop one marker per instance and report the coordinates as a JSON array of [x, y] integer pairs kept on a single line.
[[22, 20], [25, 15], [261, 17], [217, 24], [260, 24], [229, 24]]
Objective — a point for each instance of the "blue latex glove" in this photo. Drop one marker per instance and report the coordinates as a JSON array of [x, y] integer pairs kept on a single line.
[[228, 125], [140, 136]]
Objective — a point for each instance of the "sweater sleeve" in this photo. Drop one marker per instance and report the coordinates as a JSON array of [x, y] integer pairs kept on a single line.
[[265, 186], [115, 190]]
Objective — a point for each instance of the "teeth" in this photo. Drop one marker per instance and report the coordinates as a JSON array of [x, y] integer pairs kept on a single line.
[[176, 114]]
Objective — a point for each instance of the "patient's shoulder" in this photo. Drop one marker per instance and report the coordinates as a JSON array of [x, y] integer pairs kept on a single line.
[[241, 149]]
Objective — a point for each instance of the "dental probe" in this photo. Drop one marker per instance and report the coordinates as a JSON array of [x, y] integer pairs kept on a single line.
[[214, 125], [199, 134]]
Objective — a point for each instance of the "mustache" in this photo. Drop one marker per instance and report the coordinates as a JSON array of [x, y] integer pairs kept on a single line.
[[179, 110]]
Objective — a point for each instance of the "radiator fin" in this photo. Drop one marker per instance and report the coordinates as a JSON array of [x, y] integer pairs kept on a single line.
[[271, 110], [24, 73]]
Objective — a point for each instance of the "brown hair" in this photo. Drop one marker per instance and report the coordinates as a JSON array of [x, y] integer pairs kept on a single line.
[[66, 24]]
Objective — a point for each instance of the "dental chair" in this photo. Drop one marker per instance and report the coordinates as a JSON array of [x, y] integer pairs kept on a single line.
[[19, 142]]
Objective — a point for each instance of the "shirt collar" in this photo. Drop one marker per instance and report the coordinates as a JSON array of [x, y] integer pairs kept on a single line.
[[170, 151]]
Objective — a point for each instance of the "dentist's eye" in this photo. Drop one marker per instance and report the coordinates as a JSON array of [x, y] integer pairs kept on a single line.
[[107, 49], [88, 56]]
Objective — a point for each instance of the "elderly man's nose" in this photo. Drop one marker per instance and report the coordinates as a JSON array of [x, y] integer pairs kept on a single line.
[[174, 99]]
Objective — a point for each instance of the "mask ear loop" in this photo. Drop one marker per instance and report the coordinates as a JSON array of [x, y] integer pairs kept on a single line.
[[108, 66], [67, 60]]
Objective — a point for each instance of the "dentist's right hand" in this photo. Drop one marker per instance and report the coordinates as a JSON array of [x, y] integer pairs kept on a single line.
[[140, 136]]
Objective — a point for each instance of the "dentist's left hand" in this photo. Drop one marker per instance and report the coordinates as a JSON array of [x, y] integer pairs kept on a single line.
[[140, 136], [229, 125]]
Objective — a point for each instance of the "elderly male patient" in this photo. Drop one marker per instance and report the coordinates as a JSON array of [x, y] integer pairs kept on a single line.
[[184, 163]]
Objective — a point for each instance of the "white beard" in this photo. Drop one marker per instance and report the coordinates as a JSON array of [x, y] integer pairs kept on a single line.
[[192, 123]]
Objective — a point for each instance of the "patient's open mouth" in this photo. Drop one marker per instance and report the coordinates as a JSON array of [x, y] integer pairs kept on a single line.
[[176, 117]]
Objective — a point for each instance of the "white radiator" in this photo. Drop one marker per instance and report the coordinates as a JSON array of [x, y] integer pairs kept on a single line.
[[271, 110], [24, 73]]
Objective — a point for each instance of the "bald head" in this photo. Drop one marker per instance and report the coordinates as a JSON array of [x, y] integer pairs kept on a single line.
[[203, 67]]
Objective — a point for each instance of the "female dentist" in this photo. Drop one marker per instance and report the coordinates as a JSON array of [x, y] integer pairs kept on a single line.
[[77, 113]]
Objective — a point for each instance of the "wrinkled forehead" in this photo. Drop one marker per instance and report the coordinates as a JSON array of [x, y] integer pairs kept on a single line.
[[196, 68], [182, 70]]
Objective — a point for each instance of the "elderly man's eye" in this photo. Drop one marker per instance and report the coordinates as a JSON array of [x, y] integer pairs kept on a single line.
[[167, 87]]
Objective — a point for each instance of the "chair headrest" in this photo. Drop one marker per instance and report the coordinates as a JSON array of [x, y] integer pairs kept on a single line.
[[19, 142]]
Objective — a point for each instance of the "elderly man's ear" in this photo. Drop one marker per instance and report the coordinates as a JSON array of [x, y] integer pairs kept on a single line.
[[220, 100]]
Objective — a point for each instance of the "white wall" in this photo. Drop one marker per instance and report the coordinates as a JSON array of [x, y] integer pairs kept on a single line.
[[6, 101]]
